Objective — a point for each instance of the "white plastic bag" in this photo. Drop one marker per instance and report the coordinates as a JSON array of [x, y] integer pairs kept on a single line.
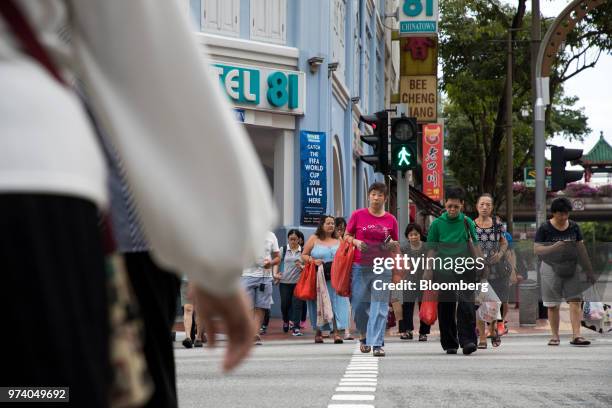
[[490, 305]]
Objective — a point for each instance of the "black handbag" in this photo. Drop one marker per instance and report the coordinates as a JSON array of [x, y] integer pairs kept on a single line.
[[327, 270]]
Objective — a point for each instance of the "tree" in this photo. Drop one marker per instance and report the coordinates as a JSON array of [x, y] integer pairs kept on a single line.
[[473, 53]]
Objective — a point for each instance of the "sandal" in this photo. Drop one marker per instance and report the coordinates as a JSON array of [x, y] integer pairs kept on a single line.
[[496, 340], [318, 339], [338, 339], [363, 347], [554, 342], [580, 341], [482, 345]]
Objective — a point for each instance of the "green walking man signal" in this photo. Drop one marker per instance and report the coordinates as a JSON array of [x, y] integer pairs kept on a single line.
[[404, 157], [404, 137]]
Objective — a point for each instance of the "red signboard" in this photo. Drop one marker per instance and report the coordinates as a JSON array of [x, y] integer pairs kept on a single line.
[[433, 161]]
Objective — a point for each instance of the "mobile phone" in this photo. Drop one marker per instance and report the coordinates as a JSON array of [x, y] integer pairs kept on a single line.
[[262, 287]]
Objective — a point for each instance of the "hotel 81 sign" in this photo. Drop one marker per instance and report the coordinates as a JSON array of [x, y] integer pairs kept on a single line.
[[418, 18], [263, 88]]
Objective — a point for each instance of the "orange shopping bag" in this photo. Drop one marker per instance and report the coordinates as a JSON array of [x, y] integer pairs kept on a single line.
[[428, 312], [342, 268], [306, 288]]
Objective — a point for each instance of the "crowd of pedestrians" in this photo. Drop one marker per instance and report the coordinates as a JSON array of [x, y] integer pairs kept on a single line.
[[374, 233]]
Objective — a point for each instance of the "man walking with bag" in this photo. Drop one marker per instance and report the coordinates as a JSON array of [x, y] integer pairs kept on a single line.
[[449, 237]]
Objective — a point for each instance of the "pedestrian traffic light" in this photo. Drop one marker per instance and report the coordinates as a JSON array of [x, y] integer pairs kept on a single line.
[[379, 140], [560, 177], [404, 136]]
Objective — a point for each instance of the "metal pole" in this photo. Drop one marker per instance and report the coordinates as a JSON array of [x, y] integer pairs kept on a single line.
[[403, 202], [509, 144], [539, 110]]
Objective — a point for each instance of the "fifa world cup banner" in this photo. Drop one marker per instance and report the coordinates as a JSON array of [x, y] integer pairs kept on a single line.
[[433, 161]]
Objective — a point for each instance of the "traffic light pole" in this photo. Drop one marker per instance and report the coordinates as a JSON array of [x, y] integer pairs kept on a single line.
[[403, 201]]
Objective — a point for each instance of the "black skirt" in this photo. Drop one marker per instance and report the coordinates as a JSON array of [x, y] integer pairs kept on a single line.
[[53, 297]]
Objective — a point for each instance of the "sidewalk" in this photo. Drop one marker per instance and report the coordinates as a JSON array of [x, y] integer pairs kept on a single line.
[[275, 329]]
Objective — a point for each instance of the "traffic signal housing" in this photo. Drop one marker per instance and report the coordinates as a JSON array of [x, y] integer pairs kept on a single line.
[[404, 137], [560, 177], [379, 140]]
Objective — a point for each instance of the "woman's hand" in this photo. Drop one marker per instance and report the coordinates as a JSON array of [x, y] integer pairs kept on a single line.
[[362, 246], [393, 246], [495, 258], [277, 277], [318, 262]]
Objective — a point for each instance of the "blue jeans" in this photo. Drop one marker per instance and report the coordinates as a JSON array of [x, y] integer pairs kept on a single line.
[[370, 305], [340, 306]]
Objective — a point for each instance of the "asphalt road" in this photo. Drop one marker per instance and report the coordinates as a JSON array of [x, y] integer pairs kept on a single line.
[[523, 372]]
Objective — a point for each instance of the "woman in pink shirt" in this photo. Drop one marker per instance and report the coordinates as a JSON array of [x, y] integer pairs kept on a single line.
[[374, 232]]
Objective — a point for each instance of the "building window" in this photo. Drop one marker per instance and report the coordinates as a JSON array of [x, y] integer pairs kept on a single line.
[[338, 44], [221, 17], [269, 21]]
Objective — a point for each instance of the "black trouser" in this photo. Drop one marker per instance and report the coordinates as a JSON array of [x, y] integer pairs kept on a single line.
[[53, 297], [406, 324], [456, 314], [266, 319], [291, 307], [156, 291]]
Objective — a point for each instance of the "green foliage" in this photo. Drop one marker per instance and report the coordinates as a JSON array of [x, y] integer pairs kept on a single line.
[[600, 231], [473, 52]]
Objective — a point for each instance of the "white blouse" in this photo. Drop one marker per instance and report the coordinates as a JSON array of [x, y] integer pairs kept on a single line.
[[195, 176]]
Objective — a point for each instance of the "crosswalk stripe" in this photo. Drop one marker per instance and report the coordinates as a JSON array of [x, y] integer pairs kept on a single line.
[[352, 397], [350, 406], [355, 389]]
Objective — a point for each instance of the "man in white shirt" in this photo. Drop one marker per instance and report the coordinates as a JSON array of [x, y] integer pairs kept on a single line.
[[257, 280]]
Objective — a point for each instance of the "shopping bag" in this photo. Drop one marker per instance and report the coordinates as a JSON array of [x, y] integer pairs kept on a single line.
[[341, 269], [306, 288], [325, 313], [490, 305], [391, 322], [428, 313]]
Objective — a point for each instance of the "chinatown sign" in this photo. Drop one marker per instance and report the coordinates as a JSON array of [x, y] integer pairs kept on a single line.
[[420, 93], [418, 17], [433, 161]]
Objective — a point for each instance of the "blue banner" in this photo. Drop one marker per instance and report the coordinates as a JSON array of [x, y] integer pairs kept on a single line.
[[313, 166]]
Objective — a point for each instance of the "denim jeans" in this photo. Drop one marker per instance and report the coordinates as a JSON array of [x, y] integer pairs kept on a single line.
[[370, 305], [340, 306]]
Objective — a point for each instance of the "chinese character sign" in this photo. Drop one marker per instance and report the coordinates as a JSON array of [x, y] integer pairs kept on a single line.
[[314, 176], [433, 161]]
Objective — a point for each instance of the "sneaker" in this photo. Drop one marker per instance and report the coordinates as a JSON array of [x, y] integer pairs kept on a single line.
[[378, 351], [469, 348], [286, 327], [422, 337], [297, 333], [451, 351], [257, 340], [263, 329], [187, 343]]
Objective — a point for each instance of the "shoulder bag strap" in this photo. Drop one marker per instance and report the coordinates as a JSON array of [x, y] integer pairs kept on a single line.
[[23, 31]]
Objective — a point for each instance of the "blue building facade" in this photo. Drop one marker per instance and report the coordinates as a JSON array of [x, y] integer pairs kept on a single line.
[[300, 73]]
